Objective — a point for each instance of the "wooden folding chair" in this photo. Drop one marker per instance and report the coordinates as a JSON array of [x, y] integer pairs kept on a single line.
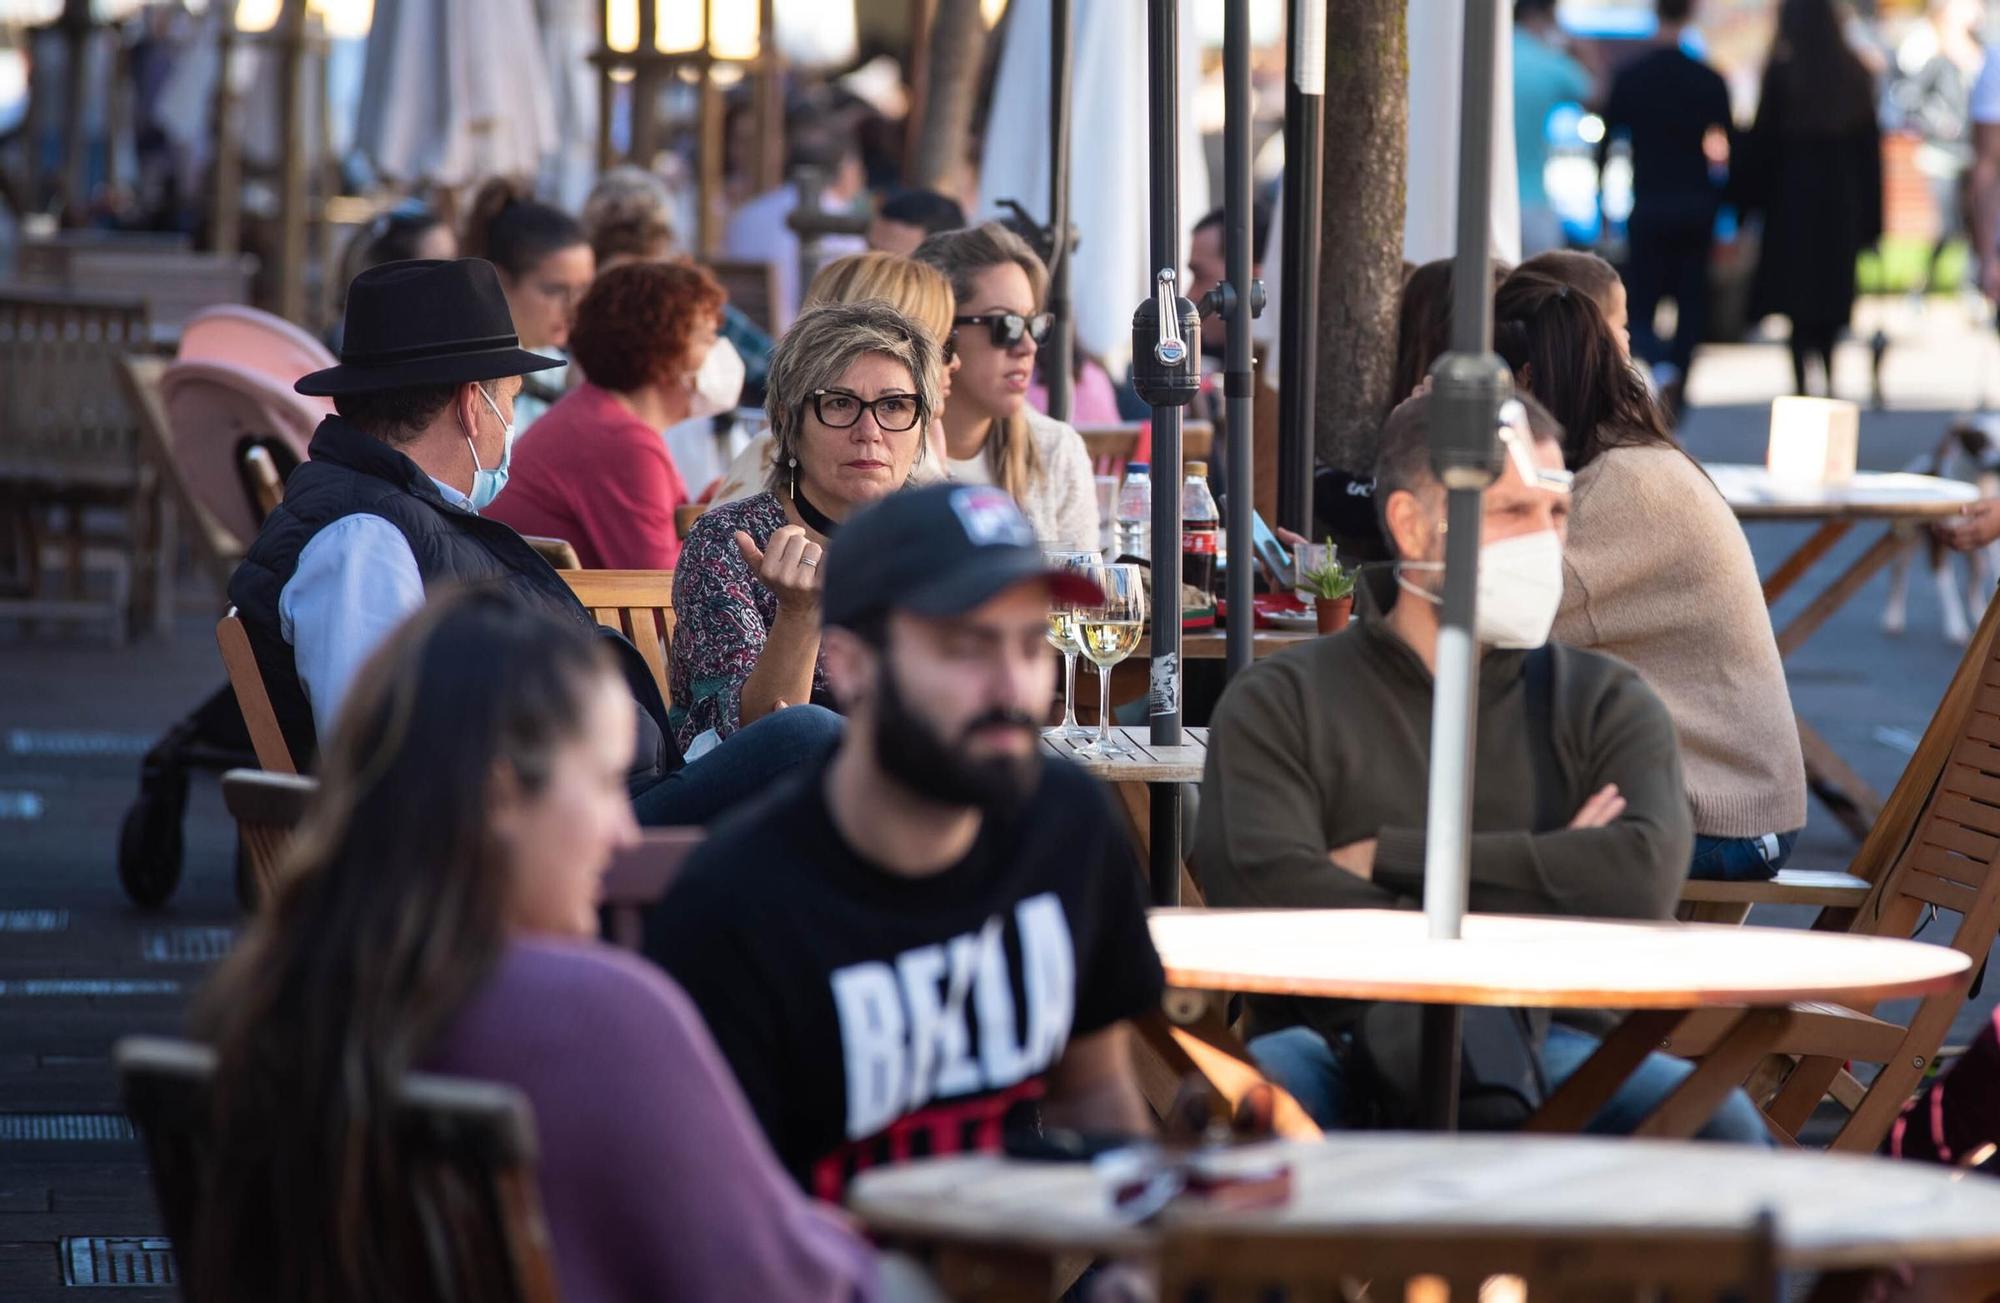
[[1111, 446], [1839, 895], [1442, 1266], [260, 476], [267, 808], [558, 552], [266, 737], [468, 1147], [1936, 840], [638, 604]]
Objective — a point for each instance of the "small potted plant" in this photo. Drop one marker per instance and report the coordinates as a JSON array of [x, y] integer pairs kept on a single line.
[[1332, 587]]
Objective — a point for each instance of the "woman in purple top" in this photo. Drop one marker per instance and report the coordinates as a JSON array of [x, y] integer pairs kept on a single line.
[[436, 912]]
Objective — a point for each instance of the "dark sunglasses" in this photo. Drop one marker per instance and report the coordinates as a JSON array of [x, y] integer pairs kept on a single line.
[[1007, 328], [893, 413]]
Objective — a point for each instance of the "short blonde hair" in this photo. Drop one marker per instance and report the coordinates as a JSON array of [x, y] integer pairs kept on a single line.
[[917, 290], [823, 342]]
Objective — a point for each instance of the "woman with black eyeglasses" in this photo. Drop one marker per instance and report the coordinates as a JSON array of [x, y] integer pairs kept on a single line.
[[852, 391], [992, 435]]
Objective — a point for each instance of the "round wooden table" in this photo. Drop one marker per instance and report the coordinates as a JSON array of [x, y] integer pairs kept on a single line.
[[1832, 1212], [1657, 974], [1517, 961], [1886, 498]]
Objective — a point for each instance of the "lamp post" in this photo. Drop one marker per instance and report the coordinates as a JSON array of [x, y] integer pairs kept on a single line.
[[645, 41]]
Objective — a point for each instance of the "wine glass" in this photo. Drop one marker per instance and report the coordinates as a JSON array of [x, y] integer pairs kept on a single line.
[[1108, 634], [1062, 637]]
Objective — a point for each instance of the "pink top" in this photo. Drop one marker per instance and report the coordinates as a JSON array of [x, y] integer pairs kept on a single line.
[[1093, 399], [591, 472], [655, 1178]]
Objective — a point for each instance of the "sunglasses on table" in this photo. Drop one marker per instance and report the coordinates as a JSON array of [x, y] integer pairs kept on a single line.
[[894, 413], [1008, 328]]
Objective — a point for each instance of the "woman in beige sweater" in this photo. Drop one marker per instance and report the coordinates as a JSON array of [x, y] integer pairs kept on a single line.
[[1658, 573]]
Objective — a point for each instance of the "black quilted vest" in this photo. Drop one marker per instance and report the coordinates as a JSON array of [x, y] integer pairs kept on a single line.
[[349, 472]]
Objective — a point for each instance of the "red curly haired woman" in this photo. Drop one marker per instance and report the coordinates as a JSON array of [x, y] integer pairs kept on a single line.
[[594, 470]]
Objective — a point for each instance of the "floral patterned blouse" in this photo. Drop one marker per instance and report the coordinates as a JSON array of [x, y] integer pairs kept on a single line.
[[722, 615]]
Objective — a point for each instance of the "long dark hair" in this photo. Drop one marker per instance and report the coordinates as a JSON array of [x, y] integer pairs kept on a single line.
[[1559, 335], [514, 231], [1423, 324], [390, 911], [1824, 87]]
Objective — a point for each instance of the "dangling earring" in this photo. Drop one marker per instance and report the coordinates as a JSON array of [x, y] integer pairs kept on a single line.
[[794, 464]]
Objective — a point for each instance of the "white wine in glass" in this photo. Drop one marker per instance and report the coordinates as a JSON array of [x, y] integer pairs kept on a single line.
[[1063, 637], [1109, 633]]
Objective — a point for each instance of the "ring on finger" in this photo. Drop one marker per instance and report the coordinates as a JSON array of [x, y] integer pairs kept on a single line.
[[809, 559]]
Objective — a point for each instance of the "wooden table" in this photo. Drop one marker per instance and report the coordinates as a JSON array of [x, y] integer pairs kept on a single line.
[[1157, 767], [1833, 1213], [1870, 496], [1213, 644], [1659, 972]]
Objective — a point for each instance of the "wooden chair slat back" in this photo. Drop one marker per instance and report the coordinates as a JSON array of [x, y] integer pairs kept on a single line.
[[752, 288], [176, 283], [267, 739], [638, 604], [469, 1147], [1111, 446], [1554, 1264], [267, 808], [558, 552], [64, 417]]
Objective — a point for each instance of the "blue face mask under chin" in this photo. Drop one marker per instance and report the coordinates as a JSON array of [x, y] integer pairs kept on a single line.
[[486, 484]]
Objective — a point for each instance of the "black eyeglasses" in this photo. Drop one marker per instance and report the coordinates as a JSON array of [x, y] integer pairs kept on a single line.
[[950, 350], [1007, 328], [893, 413]]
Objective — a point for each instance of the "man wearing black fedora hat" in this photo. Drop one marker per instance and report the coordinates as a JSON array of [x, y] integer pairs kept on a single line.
[[386, 509]]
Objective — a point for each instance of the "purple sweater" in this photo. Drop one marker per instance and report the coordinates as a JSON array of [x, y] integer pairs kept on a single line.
[[655, 1179]]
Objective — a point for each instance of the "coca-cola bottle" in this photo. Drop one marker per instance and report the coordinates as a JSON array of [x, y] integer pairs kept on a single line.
[[1199, 532]]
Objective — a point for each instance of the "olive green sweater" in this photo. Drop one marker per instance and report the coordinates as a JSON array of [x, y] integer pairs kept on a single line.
[[1329, 744]]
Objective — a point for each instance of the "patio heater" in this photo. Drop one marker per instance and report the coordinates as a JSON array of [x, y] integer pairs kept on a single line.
[[1166, 330], [708, 43], [1470, 384], [1298, 308]]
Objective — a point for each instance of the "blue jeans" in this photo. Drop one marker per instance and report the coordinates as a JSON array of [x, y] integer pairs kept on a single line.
[[1741, 859], [743, 766], [1300, 1060]]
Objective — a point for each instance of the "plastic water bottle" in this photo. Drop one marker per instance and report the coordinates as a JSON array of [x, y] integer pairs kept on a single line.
[[1135, 513]]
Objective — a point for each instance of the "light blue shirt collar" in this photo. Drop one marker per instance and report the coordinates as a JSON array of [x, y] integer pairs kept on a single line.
[[452, 495]]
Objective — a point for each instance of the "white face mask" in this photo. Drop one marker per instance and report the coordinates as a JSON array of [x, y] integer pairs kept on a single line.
[[1520, 589], [718, 384]]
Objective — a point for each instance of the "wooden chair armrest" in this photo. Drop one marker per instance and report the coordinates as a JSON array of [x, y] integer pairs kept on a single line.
[[1791, 887]]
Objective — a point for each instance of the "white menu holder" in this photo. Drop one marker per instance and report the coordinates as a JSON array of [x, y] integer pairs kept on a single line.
[[1813, 445]]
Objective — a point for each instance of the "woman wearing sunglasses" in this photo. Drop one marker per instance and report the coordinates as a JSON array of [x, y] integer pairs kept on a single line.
[[852, 391], [991, 434]]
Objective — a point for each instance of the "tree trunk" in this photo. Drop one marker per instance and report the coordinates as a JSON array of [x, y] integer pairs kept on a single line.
[[957, 50], [1361, 227]]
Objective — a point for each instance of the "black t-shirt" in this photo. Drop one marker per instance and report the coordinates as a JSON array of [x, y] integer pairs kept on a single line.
[[872, 1017]]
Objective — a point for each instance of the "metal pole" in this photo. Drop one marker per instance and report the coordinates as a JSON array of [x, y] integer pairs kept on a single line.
[[1470, 384], [1239, 302], [1059, 367], [1163, 103], [292, 196], [1298, 352]]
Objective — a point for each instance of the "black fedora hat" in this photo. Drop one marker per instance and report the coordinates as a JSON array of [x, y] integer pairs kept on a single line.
[[425, 322]]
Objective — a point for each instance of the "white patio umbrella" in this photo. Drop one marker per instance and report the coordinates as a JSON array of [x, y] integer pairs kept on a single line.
[[1108, 156], [455, 91], [1430, 216], [569, 38]]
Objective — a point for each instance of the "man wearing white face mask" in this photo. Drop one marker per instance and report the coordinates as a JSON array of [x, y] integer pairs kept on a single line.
[[594, 469], [392, 504], [1318, 761]]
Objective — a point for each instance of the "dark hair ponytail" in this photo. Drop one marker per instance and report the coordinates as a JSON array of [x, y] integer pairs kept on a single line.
[[1559, 335], [390, 910], [514, 231]]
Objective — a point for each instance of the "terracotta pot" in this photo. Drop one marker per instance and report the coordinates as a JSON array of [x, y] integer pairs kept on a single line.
[[1333, 612]]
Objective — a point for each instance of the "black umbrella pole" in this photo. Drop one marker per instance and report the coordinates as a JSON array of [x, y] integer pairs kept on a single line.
[[1298, 355], [1059, 368], [1239, 304]]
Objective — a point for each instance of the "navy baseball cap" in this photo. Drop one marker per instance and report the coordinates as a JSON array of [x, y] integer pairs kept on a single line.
[[939, 550]]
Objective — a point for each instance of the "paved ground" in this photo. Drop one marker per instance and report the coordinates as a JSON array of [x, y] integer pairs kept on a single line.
[[79, 966]]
